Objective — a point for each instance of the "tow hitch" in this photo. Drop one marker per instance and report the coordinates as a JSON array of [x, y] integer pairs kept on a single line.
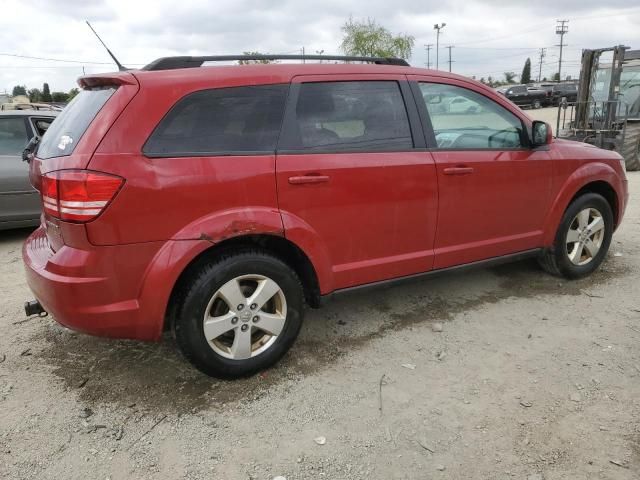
[[33, 307]]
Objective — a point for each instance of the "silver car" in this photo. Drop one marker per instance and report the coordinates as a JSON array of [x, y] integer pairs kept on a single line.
[[19, 201]]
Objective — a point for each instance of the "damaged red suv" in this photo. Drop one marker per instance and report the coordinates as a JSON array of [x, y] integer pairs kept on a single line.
[[218, 201]]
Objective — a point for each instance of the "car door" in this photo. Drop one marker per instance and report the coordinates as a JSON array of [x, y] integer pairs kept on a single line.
[[353, 176], [19, 200], [494, 189]]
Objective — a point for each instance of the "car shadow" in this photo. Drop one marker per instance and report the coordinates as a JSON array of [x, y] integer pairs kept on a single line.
[[156, 376]]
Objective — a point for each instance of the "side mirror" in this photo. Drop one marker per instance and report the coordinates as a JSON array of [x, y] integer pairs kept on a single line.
[[29, 149], [541, 133]]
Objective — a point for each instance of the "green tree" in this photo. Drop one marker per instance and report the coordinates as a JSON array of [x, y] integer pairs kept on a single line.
[[46, 93], [72, 93], [555, 77], [509, 77], [35, 95], [367, 38], [60, 97], [252, 62], [490, 81], [19, 90], [525, 77]]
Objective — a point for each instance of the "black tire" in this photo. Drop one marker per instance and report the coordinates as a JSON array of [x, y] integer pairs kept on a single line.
[[198, 290], [536, 104], [556, 259], [631, 148]]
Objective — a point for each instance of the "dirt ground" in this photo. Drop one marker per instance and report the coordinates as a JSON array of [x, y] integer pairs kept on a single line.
[[532, 377]]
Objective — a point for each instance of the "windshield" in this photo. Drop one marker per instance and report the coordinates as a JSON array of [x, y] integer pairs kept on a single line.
[[67, 129], [630, 89]]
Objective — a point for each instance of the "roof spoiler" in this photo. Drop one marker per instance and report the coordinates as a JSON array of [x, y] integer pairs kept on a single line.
[[107, 79]]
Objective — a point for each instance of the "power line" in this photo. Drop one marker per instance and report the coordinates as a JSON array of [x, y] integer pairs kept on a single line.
[[428, 48], [561, 29], [450, 47], [542, 55]]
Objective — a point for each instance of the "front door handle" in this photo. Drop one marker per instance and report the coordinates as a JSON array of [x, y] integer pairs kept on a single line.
[[458, 170], [308, 179]]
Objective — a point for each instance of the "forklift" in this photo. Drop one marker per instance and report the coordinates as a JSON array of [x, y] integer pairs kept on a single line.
[[607, 110]]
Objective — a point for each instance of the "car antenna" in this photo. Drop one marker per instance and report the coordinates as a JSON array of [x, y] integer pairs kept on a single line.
[[120, 66]]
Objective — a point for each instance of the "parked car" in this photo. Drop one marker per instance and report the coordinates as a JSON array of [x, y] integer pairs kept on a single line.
[[20, 203], [525, 96], [564, 90], [217, 201]]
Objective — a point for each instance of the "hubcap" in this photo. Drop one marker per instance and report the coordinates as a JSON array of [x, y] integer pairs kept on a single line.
[[245, 316], [585, 236]]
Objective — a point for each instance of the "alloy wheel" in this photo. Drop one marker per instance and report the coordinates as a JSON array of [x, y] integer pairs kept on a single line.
[[245, 316], [585, 236]]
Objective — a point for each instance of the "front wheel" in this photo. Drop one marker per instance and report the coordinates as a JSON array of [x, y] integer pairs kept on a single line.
[[239, 314], [536, 104], [582, 239]]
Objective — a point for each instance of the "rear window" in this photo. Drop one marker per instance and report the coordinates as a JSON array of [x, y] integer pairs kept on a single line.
[[13, 136], [235, 120], [66, 131]]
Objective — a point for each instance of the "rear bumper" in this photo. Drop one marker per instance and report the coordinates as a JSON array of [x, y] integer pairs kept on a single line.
[[94, 290]]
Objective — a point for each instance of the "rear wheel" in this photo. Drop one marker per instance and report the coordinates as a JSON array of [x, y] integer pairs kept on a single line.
[[631, 148], [536, 104], [239, 315], [583, 238]]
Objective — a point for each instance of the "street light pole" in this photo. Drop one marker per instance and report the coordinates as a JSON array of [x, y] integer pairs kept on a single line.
[[438, 28]]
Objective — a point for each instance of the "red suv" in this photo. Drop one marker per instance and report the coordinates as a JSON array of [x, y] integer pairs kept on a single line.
[[217, 201]]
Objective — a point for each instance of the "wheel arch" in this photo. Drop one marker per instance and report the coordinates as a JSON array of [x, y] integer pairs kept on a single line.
[[594, 178], [281, 247]]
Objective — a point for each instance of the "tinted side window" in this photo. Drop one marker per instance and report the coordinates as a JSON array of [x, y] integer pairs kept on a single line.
[[225, 120], [350, 116], [483, 124], [13, 136]]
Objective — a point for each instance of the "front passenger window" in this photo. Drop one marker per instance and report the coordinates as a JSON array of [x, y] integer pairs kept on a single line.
[[463, 119]]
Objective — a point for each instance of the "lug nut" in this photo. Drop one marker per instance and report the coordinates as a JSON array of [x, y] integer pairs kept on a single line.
[[254, 306], [240, 307], [256, 318], [244, 327], [234, 320]]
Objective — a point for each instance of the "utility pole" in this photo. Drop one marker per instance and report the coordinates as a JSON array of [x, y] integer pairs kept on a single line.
[[543, 53], [450, 47], [303, 59], [428, 47], [561, 29], [438, 28]]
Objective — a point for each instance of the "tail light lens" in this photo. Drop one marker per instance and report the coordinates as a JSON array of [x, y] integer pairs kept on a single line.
[[78, 195]]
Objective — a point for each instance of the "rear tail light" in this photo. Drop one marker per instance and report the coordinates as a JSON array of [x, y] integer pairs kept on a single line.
[[78, 195]]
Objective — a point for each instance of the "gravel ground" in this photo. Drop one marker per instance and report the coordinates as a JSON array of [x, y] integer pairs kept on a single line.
[[495, 374]]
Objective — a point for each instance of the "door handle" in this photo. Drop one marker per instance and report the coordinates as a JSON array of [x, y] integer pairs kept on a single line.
[[308, 179], [458, 170]]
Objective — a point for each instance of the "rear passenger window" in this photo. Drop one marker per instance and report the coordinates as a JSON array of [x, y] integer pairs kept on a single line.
[[350, 116], [237, 120]]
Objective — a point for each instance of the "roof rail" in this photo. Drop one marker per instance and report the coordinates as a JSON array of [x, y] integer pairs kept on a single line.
[[170, 63]]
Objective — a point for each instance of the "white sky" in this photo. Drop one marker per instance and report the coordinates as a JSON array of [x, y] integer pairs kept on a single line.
[[489, 36]]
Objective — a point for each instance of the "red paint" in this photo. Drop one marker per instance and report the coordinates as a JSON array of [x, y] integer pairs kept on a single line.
[[358, 217]]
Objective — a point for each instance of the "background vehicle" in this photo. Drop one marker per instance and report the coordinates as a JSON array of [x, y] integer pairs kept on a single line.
[[216, 202], [525, 96], [20, 203], [564, 90], [607, 110]]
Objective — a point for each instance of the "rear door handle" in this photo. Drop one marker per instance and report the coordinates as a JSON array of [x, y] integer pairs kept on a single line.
[[458, 170], [308, 179]]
